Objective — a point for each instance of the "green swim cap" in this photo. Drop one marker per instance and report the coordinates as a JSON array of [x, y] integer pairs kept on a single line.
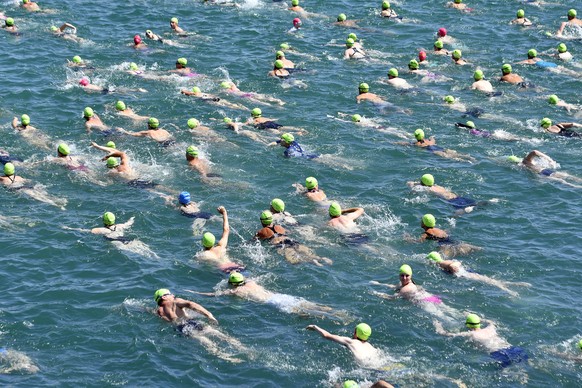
[[353, 36], [438, 44], [506, 68], [266, 218], [364, 88], [413, 64], [278, 205], [311, 183], [133, 66], [434, 256], [174, 20], [279, 54], [514, 159], [110, 144], [449, 99], [356, 118], [294, 3], [553, 99], [284, 46], [580, 344], [196, 89], [192, 123], [349, 42], [520, 13], [8, 169], [473, 321], [405, 269], [532, 53], [54, 28], [63, 149], [236, 278], [478, 75], [111, 162], [149, 32], [393, 72], [25, 119], [470, 124], [77, 59], [427, 180], [208, 240], [9, 22], [546, 122], [182, 61], [225, 85], [153, 123], [120, 105], [385, 5], [288, 138], [419, 134], [458, 1], [457, 54], [571, 13], [108, 218], [335, 210], [341, 17], [278, 64], [363, 331], [350, 384], [429, 221], [562, 48], [161, 292], [88, 112], [256, 112], [227, 120], [192, 151]]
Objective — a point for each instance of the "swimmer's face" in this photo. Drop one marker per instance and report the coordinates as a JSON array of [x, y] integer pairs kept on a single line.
[[149, 34], [404, 279]]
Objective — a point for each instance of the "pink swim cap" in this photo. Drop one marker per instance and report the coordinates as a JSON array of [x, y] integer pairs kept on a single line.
[[137, 39], [297, 22], [422, 56], [442, 32], [84, 82]]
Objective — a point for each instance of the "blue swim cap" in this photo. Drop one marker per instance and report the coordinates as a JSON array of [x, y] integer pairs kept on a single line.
[[184, 198]]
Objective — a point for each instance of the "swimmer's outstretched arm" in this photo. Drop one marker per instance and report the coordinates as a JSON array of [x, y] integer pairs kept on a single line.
[[225, 227], [328, 336], [15, 122], [183, 303], [68, 25], [127, 224], [136, 134], [102, 148], [376, 283], [385, 296], [353, 212], [441, 330]]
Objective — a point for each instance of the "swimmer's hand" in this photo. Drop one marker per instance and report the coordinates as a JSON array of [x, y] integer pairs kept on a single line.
[[376, 283], [212, 319], [311, 327], [273, 143], [221, 210]]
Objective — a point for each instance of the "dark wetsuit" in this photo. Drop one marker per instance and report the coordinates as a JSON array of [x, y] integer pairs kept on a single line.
[[474, 131], [204, 215], [268, 125], [547, 172], [295, 150], [508, 356], [190, 327], [462, 202], [474, 112], [567, 132]]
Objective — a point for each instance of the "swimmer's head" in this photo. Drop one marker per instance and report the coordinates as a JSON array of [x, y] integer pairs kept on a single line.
[[174, 20], [184, 198], [442, 32], [192, 151], [284, 46], [25, 1], [506, 68], [193, 123], [278, 205], [532, 53], [54, 28], [427, 180], [353, 36], [182, 61], [413, 64], [278, 64], [311, 183], [385, 5], [473, 321], [84, 82], [470, 124], [422, 56], [572, 13], [335, 210], [296, 22], [393, 72], [111, 162], [287, 138], [520, 13], [88, 112], [279, 54], [77, 59], [356, 118], [434, 256], [25, 119], [405, 269], [9, 22], [419, 134], [341, 17], [256, 112], [153, 123], [478, 75], [196, 89], [562, 48], [161, 292], [149, 32], [266, 218], [8, 169], [438, 44], [349, 42], [364, 88], [428, 220], [108, 219], [227, 120], [350, 384], [363, 331], [225, 85], [120, 105], [457, 54], [294, 3], [63, 149], [133, 66], [208, 240], [449, 99], [553, 99], [514, 159], [546, 123], [137, 39], [236, 278], [458, 1]]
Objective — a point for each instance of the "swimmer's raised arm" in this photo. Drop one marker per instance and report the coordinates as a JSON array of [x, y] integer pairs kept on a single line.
[[15, 122], [102, 148], [183, 303], [68, 25], [225, 227], [327, 335], [353, 212]]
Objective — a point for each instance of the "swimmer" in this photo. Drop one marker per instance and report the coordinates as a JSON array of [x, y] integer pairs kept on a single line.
[[427, 182], [343, 219], [230, 87], [353, 52], [200, 165], [12, 181], [542, 164], [456, 56], [555, 100], [196, 128], [414, 68], [121, 169], [24, 123], [174, 26], [497, 134], [480, 83], [67, 31], [422, 57], [572, 21], [153, 132], [138, 44], [500, 350], [92, 121], [521, 19], [150, 35], [396, 81], [77, 62], [123, 110], [430, 145], [278, 70], [30, 6], [280, 216], [438, 48], [456, 268], [562, 129], [31, 134], [10, 178], [365, 95], [10, 26], [311, 190], [342, 20], [296, 26], [216, 254], [170, 308], [86, 84], [187, 206], [212, 99], [509, 76], [532, 58], [287, 64], [454, 103], [110, 229], [292, 148], [387, 11], [442, 36], [358, 344], [296, 8], [182, 68], [458, 4], [563, 53], [271, 125], [134, 70], [446, 245], [64, 157], [357, 44]]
